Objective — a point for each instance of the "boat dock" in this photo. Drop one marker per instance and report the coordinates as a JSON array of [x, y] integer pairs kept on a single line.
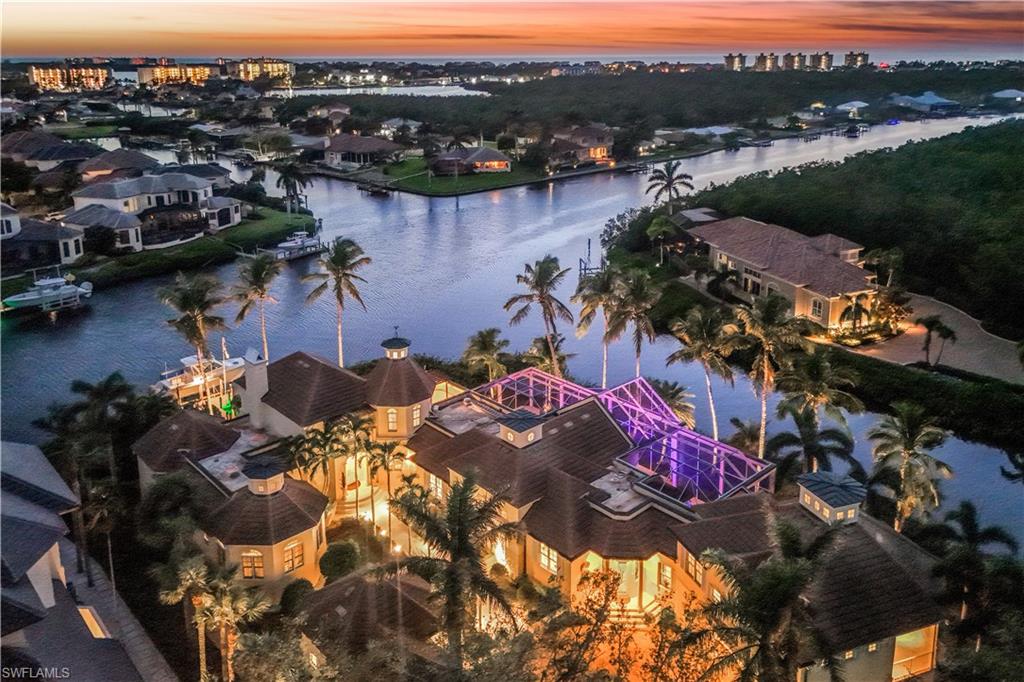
[[292, 253]]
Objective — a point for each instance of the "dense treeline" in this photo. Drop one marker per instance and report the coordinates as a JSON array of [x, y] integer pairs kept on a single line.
[[684, 99], [953, 205]]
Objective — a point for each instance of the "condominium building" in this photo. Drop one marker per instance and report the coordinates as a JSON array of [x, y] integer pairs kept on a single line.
[[856, 60], [67, 77], [735, 62], [251, 69], [196, 74], [820, 61], [794, 62], [766, 62]]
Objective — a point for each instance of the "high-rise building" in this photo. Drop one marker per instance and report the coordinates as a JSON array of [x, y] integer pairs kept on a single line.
[[766, 62], [735, 62], [821, 61], [793, 62], [67, 77], [196, 74], [251, 69], [855, 60]]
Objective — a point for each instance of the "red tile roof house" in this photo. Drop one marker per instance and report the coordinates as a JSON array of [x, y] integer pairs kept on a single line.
[[815, 274]]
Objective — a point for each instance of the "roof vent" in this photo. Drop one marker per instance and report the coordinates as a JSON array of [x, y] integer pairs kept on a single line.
[[833, 498]]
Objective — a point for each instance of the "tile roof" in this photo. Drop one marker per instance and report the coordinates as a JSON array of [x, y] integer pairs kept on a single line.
[[307, 389], [116, 159], [97, 215], [360, 144], [250, 519], [64, 151], [43, 231], [837, 490], [146, 184], [185, 434], [210, 171], [25, 471], [783, 253], [473, 155], [398, 383], [25, 141]]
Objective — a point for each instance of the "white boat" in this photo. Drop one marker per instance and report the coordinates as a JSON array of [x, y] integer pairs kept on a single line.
[[299, 240], [51, 293], [185, 384]]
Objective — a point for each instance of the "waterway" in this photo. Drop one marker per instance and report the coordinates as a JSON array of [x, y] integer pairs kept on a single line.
[[439, 274]]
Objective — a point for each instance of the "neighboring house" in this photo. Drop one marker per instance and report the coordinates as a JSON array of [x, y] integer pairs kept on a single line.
[[391, 126], [1011, 94], [714, 133], [49, 157], [116, 160], [852, 109], [127, 226], [326, 110], [27, 243], [47, 624], [470, 160], [595, 142], [215, 173], [928, 102], [352, 151], [18, 145], [815, 274]]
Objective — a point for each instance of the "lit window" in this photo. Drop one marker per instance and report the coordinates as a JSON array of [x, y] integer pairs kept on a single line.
[[694, 569], [850, 513], [500, 554], [252, 564], [417, 415], [436, 485], [817, 506], [826, 512], [664, 577], [873, 647], [293, 557], [548, 559], [816, 307], [840, 515], [715, 595], [848, 655], [313, 662], [320, 534], [392, 419]]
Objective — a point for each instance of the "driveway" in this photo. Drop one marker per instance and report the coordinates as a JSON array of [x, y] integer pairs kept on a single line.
[[975, 350]]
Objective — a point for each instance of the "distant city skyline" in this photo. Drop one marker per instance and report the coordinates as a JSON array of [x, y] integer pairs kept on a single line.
[[683, 30]]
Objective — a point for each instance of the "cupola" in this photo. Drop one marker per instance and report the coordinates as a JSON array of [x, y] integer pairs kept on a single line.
[[396, 348], [833, 498], [520, 428], [266, 476]]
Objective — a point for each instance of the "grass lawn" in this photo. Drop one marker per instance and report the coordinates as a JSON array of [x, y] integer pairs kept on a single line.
[[80, 132], [449, 186], [272, 227]]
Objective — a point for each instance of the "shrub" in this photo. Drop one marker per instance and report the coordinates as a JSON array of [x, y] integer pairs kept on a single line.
[[293, 595], [340, 559]]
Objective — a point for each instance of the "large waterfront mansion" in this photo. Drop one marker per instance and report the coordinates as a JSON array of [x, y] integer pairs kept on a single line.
[[596, 479]]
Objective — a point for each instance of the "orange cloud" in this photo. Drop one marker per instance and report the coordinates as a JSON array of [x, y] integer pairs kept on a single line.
[[424, 28]]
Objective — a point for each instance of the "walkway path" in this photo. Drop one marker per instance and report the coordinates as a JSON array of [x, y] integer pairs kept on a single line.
[[116, 615], [975, 350]]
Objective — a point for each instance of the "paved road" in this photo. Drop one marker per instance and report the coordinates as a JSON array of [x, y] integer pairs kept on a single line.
[[975, 350]]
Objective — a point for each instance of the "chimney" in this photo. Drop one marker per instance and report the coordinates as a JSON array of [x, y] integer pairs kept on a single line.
[[833, 498], [256, 386], [520, 428]]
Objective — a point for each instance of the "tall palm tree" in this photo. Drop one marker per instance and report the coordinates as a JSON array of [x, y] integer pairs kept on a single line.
[[856, 311], [598, 291], [417, 494], [383, 456], [355, 441], [194, 298], [932, 324], [660, 228], [813, 447], [745, 435], [541, 280], [902, 441], [678, 399], [314, 451], [340, 266], [637, 295], [485, 350], [460, 140], [102, 507], [889, 260], [293, 179], [945, 334], [255, 276], [539, 355], [770, 332], [812, 383], [707, 337], [457, 533], [667, 181], [188, 581], [103, 404], [227, 606]]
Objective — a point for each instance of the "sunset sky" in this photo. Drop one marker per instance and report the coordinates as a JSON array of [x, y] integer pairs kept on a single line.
[[409, 28]]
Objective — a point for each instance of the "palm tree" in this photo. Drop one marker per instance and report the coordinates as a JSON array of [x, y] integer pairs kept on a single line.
[[340, 265], [660, 228], [101, 509], [293, 179], [963, 560], [539, 355], [103, 404], [812, 383], [188, 581], [889, 260], [771, 333], [721, 280], [856, 311], [705, 336], [460, 140], [758, 628], [458, 533], [255, 277], [1015, 474], [314, 451], [485, 350], [355, 439], [813, 447], [902, 441], [598, 291], [227, 606], [678, 399], [932, 325], [541, 280], [637, 295], [945, 334], [417, 494], [383, 456], [194, 298], [745, 435], [666, 181]]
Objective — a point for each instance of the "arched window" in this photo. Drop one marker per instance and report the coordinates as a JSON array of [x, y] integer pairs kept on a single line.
[[392, 415], [252, 564]]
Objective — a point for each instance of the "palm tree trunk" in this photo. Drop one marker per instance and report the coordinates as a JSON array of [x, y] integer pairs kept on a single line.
[[391, 537], [764, 421], [604, 364], [942, 347], [225, 655], [263, 332], [638, 362], [201, 635], [110, 563], [115, 479], [373, 508], [78, 521], [341, 352], [711, 404]]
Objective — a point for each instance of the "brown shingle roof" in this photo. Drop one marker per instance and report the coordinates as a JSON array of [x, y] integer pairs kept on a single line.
[[117, 159], [308, 389], [398, 383], [783, 253], [188, 433], [250, 519], [359, 144]]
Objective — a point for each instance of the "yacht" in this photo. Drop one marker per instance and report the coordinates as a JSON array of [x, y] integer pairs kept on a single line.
[[299, 240], [51, 293], [185, 384]]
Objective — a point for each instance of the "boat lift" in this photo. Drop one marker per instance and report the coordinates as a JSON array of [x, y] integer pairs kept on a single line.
[[586, 267]]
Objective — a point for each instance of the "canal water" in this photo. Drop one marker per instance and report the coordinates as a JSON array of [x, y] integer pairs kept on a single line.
[[440, 273]]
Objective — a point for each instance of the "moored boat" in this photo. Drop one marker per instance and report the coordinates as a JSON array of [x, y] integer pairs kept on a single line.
[[186, 383], [51, 293]]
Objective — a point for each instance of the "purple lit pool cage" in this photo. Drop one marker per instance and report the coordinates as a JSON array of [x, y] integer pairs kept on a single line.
[[677, 464]]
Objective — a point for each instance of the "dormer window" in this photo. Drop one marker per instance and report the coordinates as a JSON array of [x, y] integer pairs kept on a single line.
[[833, 498]]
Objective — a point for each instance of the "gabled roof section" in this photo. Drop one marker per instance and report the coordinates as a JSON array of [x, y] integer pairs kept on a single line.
[[25, 472], [116, 159], [188, 434], [307, 389], [97, 215]]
